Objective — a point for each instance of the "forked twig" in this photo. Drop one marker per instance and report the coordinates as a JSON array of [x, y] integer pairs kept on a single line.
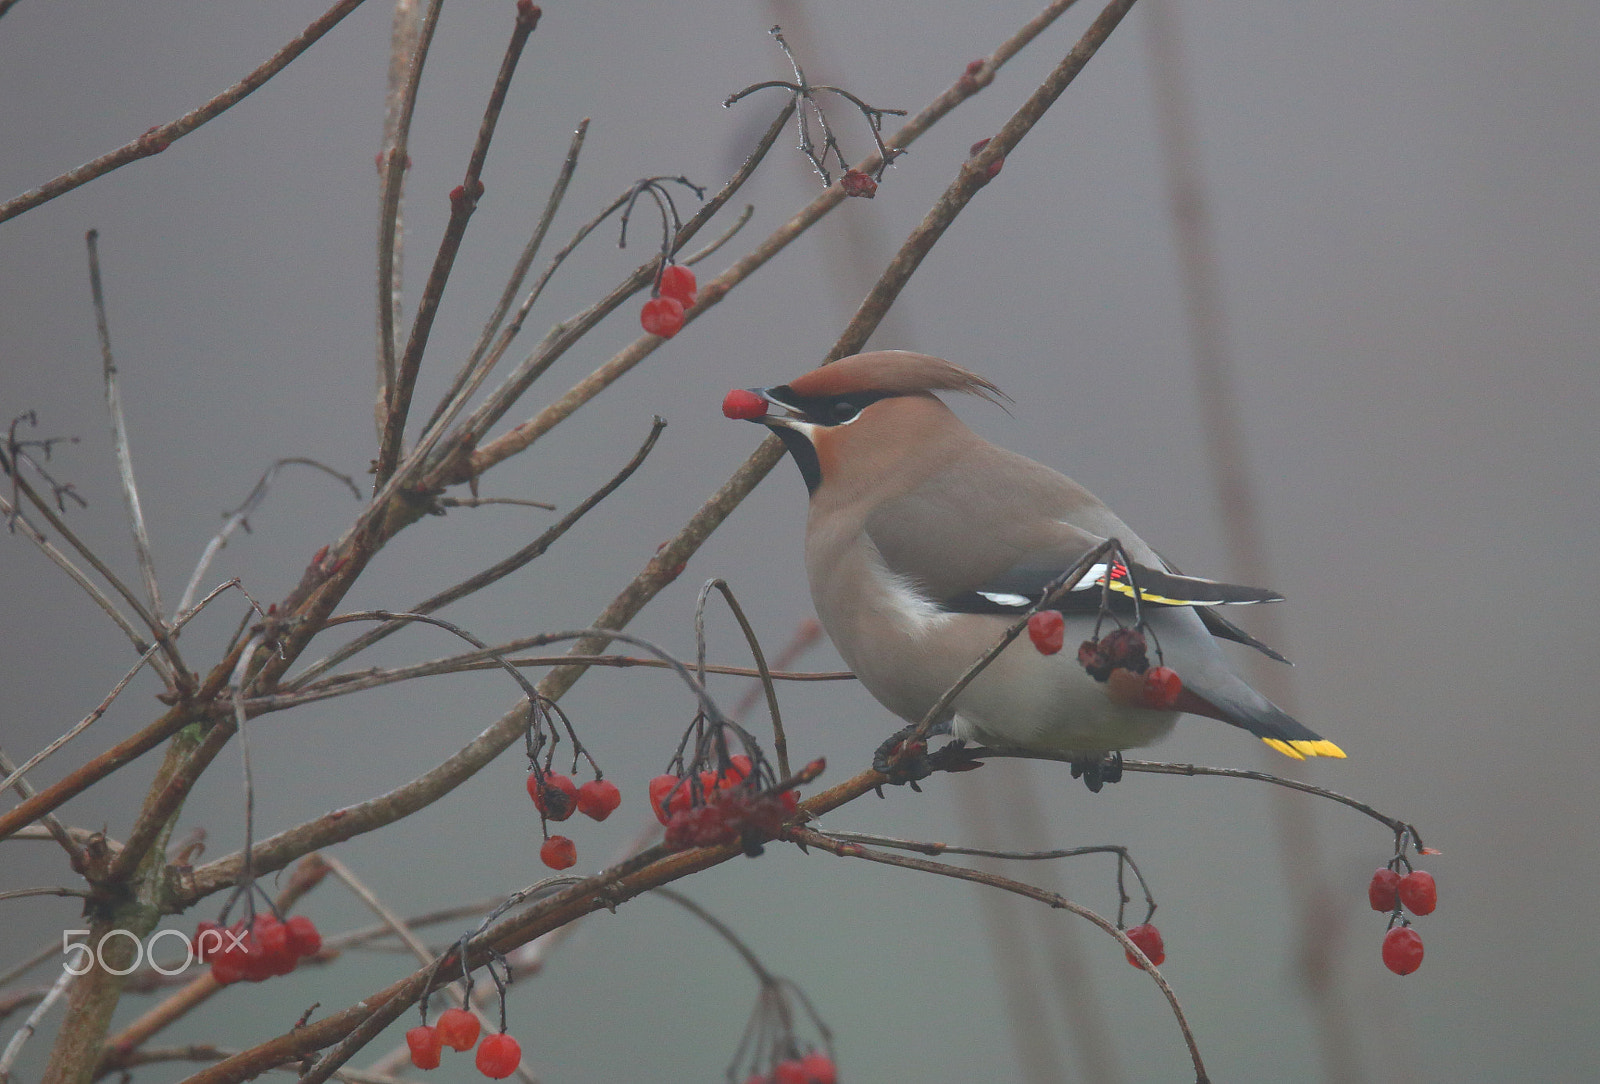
[[463, 201], [854, 850]]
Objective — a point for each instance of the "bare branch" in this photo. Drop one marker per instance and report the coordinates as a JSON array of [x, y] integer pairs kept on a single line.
[[14, 1048], [240, 517], [160, 137], [119, 431], [57, 830], [780, 742], [463, 201], [394, 159], [79, 727], [993, 880], [476, 369], [496, 572]]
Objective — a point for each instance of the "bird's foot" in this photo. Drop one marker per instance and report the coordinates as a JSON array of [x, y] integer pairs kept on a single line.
[[902, 760], [1098, 770]]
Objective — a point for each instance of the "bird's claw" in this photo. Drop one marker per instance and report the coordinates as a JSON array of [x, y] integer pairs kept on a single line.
[[902, 760], [1097, 771]]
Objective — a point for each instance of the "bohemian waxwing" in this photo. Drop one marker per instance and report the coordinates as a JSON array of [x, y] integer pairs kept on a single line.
[[924, 543]]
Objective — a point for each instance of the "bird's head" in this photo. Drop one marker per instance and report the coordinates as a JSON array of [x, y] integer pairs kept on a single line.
[[862, 415]]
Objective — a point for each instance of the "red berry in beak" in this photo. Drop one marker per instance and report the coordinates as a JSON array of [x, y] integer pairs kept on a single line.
[[742, 405]]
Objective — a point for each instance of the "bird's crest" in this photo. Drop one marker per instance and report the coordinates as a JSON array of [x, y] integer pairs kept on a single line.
[[896, 372]]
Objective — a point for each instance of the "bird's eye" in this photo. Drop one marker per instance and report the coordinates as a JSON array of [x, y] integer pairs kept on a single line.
[[843, 410]]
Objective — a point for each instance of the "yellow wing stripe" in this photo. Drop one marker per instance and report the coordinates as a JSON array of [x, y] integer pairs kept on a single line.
[[1299, 750], [1158, 600]]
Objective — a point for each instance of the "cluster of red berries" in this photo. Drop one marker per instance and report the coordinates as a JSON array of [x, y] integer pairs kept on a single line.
[[815, 1068], [1148, 938], [729, 809], [498, 1055], [675, 291], [557, 797], [255, 950], [1388, 891], [1118, 660]]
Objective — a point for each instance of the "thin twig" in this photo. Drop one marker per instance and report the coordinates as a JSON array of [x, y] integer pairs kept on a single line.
[[961, 873], [346, 684], [44, 890], [240, 517], [79, 727], [396, 157], [404, 29], [157, 139], [151, 622], [90, 588], [565, 334], [120, 446], [484, 502], [58, 831], [413, 943], [780, 742], [475, 369], [14, 1047], [463, 201], [495, 572]]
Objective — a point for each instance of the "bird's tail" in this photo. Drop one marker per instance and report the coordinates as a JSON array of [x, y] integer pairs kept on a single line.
[[1247, 709]]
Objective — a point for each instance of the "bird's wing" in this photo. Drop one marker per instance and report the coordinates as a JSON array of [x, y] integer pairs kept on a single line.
[[1024, 584]]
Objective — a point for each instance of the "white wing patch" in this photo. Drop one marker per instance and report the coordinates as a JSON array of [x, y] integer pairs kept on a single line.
[[1001, 598]]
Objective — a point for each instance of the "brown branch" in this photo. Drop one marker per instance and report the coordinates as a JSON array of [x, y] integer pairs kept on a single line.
[[119, 430], [497, 571], [409, 46], [160, 137], [476, 368], [463, 201]]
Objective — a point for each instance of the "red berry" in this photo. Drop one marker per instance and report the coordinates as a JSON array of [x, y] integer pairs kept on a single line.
[[425, 1046], [1419, 893], [819, 1068], [557, 798], [663, 806], [458, 1029], [662, 316], [791, 1071], [677, 282], [1402, 950], [558, 852], [225, 972], [1381, 892], [1148, 938], [741, 404], [598, 798], [498, 1056], [272, 942], [1047, 629], [303, 936], [1162, 687], [856, 183]]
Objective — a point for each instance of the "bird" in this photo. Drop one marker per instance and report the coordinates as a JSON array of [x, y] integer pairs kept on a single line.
[[925, 542]]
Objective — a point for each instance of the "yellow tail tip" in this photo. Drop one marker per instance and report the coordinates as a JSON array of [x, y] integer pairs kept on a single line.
[[1299, 750]]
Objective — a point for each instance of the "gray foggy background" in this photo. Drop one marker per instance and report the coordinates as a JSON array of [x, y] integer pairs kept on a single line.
[[1407, 228]]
